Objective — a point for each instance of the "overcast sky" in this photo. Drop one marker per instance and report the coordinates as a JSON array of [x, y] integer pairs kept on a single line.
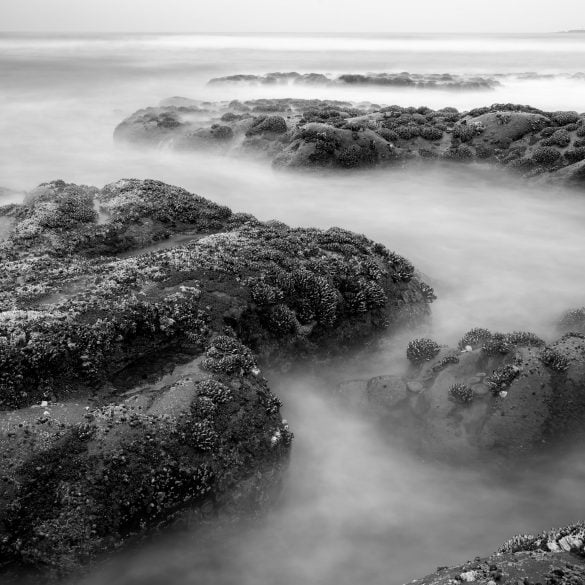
[[293, 15]]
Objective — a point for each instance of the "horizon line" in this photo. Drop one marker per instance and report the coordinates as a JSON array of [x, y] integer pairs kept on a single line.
[[232, 32]]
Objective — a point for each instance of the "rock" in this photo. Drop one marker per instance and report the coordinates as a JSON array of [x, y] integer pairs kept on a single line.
[[294, 133], [524, 559], [531, 398], [324, 146], [415, 387], [141, 314], [87, 483], [498, 128], [422, 81], [573, 174]]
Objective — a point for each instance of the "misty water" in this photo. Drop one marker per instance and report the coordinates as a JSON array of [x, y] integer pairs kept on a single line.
[[501, 253]]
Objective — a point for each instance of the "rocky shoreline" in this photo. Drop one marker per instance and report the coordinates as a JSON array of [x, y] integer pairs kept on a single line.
[[305, 134], [90, 462], [134, 323]]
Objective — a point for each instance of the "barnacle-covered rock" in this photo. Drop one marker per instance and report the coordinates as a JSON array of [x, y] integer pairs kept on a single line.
[[564, 118], [554, 557], [84, 481], [299, 133], [500, 396], [267, 125], [93, 316], [323, 145], [568, 539], [559, 137], [87, 333]]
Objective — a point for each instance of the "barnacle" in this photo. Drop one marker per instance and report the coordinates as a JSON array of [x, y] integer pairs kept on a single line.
[[564, 118], [227, 355], [474, 338], [461, 393], [217, 392], [497, 344], [554, 359], [267, 125], [559, 138], [501, 378], [546, 155], [422, 350]]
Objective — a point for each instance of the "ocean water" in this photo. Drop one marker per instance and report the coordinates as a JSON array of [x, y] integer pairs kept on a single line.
[[501, 253]]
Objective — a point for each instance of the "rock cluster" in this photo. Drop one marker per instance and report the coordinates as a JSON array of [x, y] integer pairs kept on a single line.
[[404, 79], [297, 133], [98, 288]]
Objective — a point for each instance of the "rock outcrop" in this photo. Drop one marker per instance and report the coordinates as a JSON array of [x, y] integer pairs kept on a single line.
[[555, 557], [404, 79], [134, 320], [445, 81], [329, 134], [495, 397]]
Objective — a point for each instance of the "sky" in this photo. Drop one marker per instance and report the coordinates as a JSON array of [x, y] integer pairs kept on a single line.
[[291, 16]]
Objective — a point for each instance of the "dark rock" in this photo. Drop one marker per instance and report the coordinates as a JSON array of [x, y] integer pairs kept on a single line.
[[89, 321], [325, 146], [316, 134], [531, 397]]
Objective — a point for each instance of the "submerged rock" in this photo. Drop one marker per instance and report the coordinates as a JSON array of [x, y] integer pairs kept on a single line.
[[502, 395], [97, 286], [313, 133]]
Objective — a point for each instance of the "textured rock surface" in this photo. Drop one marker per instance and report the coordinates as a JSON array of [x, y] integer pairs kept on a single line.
[[102, 292], [505, 395], [329, 134], [556, 557]]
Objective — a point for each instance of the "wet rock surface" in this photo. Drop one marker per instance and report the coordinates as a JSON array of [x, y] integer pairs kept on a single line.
[[556, 557], [497, 397], [134, 320], [295, 133]]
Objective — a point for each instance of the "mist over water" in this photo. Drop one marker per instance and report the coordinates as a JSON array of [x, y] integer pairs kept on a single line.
[[501, 253], [359, 508]]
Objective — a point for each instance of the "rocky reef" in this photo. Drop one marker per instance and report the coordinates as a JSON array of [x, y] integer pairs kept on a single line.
[[496, 396], [134, 322], [555, 557], [403, 79], [295, 133], [445, 81]]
